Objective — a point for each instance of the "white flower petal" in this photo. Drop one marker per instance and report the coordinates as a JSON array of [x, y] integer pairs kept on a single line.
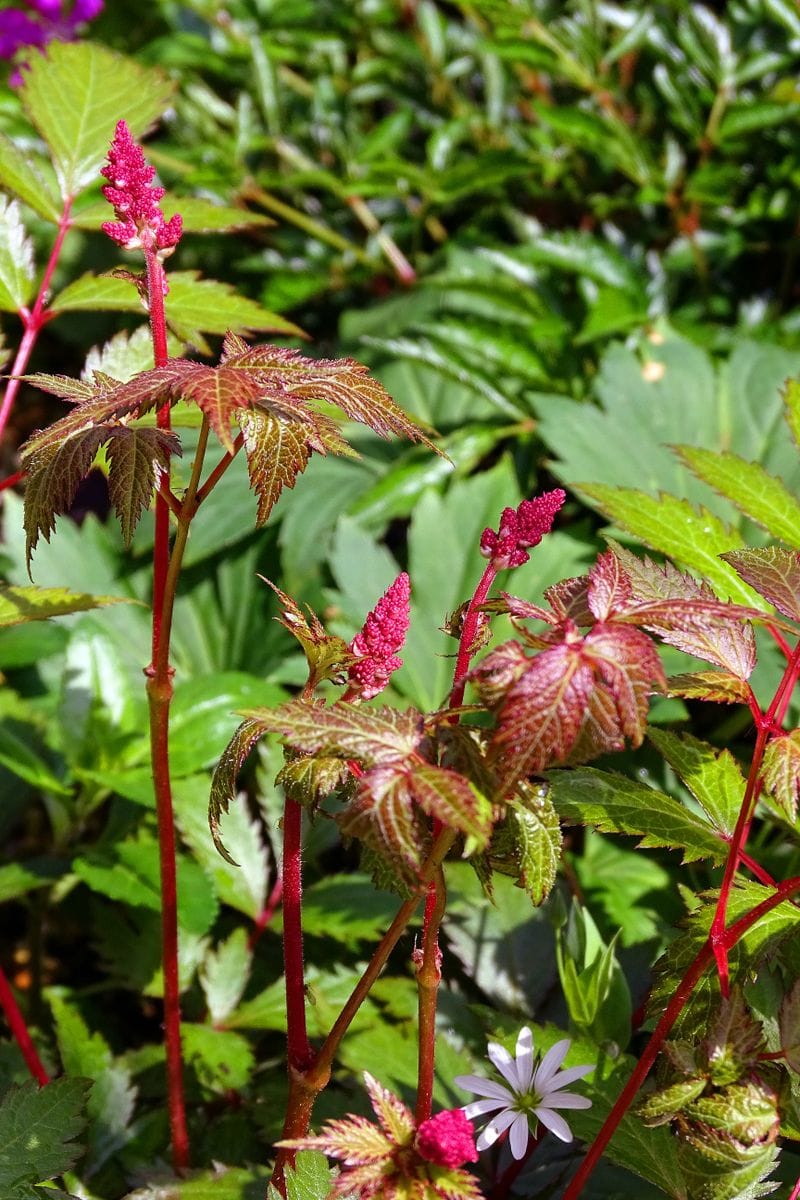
[[505, 1064], [554, 1123], [518, 1138], [525, 1059], [484, 1087], [549, 1065], [479, 1107], [496, 1126], [565, 1100], [569, 1075]]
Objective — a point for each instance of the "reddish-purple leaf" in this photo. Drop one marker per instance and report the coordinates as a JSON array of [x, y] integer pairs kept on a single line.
[[218, 392], [774, 572], [780, 773], [569, 600], [542, 712], [718, 686], [134, 455], [384, 817], [609, 588], [498, 671], [453, 800], [628, 664]]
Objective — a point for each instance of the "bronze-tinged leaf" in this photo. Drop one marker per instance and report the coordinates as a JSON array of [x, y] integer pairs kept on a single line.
[[774, 572], [74, 390], [394, 1117], [218, 392], [542, 712], [609, 588], [569, 600], [627, 663], [718, 686], [277, 452], [384, 817], [780, 773], [712, 630], [223, 784], [734, 1040], [308, 781], [53, 477], [453, 800], [375, 736], [134, 455], [287, 374]]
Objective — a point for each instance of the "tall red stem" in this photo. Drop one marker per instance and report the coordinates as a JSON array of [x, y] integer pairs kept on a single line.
[[35, 319], [668, 1018], [19, 1031], [159, 690], [298, 1046]]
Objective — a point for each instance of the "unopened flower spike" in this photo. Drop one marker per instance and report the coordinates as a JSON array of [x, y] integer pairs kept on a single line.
[[140, 222], [383, 634], [531, 1093], [520, 529]]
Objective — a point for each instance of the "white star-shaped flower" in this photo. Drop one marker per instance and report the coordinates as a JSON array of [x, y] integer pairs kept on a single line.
[[533, 1091]]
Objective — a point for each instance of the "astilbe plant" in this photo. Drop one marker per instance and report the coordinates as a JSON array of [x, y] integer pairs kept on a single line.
[[474, 780]]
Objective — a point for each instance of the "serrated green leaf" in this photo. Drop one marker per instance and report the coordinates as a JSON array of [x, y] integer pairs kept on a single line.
[[224, 975], [243, 886], [76, 92], [37, 1130], [223, 784], [222, 1059], [765, 499], [615, 804], [112, 1098], [526, 844], [17, 879], [377, 735], [780, 772], [712, 776], [348, 908], [672, 526], [18, 173], [21, 604], [125, 355], [16, 258]]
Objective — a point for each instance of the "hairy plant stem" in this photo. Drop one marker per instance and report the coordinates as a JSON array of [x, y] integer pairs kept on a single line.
[[305, 1086], [469, 632], [35, 319], [706, 955], [166, 572], [429, 974], [766, 724], [19, 1031], [297, 1043]]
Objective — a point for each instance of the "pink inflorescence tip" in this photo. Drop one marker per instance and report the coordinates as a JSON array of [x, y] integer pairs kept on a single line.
[[382, 636], [448, 1139], [140, 222], [520, 529]]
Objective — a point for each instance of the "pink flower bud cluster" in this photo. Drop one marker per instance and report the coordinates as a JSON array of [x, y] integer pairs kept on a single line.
[[140, 223], [448, 1139], [520, 529], [382, 636]]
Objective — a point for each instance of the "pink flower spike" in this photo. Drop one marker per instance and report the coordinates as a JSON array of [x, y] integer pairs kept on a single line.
[[382, 636], [520, 529], [140, 222], [447, 1140]]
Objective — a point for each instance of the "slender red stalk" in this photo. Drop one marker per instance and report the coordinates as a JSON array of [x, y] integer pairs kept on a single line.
[[12, 480], [19, 1031], [766, 725], [267, 913], [220, 469], [34, 320], [795, 1191], [429, 974], [298, 1046], [159, 689], [469, 632], [671, 1013]]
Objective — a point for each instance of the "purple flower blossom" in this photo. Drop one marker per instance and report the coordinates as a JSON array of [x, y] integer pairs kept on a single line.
[[43, 21], [140, 222], [520, 529], [382, 636]]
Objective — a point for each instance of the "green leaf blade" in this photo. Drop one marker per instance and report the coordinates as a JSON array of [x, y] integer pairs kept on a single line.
[[763, 497], [16, 258]]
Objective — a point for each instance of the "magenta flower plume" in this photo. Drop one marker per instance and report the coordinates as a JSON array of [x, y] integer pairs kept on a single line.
[[43, 21], [140, 222], [447, 1140], [382, 636], [520, 529]]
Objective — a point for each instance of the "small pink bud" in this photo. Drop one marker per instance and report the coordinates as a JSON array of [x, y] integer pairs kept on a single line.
[[448, 1139], [140, 222], [520, 529], [382, 636]]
